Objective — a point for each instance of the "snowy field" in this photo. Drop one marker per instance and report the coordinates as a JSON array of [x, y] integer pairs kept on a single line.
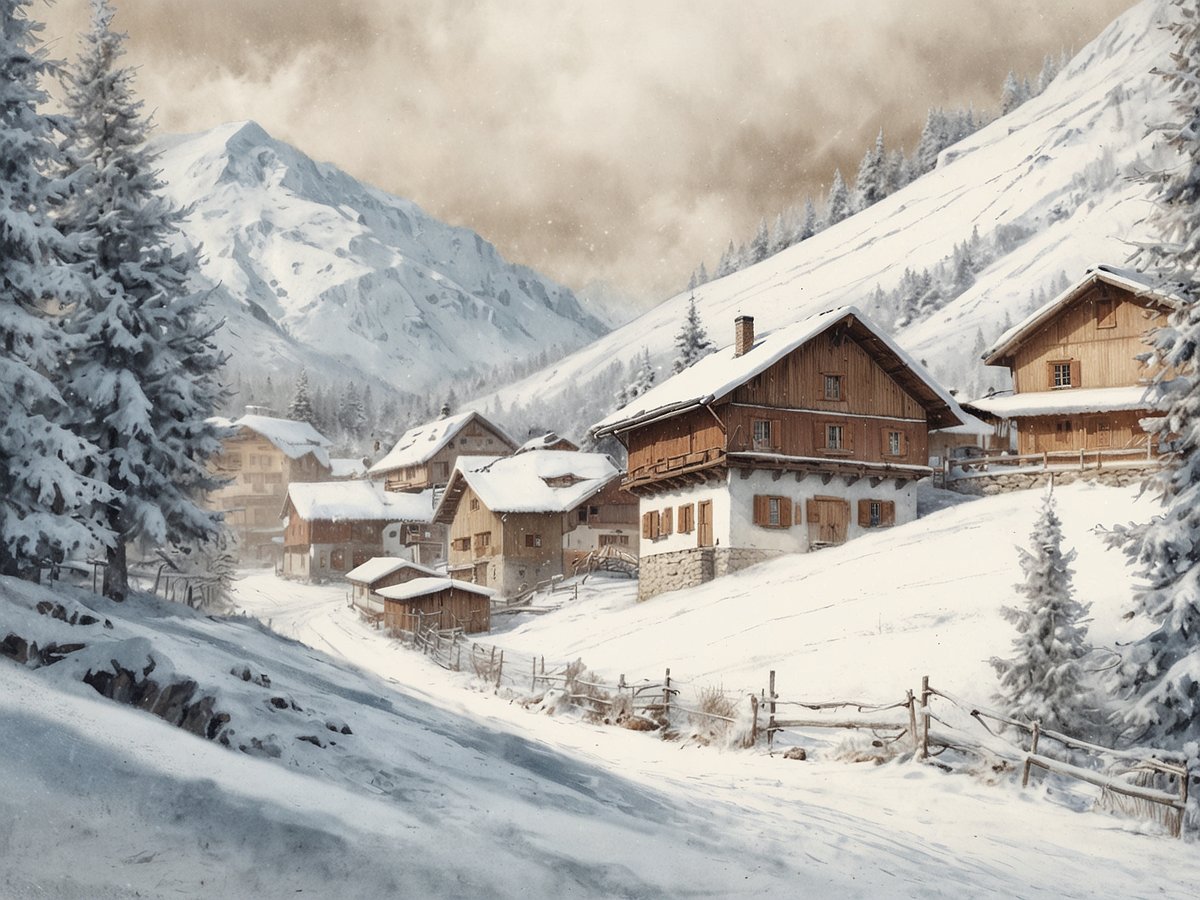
[[445, 790]]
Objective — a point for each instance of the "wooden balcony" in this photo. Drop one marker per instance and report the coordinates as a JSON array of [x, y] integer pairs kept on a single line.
[[676, 471]]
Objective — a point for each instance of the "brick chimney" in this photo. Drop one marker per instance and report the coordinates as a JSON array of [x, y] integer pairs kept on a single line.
[[743, 334]]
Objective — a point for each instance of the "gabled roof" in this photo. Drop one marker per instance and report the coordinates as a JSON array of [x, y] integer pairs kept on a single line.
[[419, 444], [1137, 283], [544, 442], [421, 587], [381, 566], [719, 374], [1066, 402], [357, 501], [295, 439], [548, 481]]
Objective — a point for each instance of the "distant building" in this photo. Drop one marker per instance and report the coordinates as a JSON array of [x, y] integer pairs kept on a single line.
[[519, 520], [381, 572], [347, 468], [334, 527], [806, 436], [441, 603], [547, 441], [1077, 381], [262, 457], [425, 455]]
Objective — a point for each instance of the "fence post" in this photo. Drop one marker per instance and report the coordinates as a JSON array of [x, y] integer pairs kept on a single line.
[[1033, 745], [924, 717], [667, 697], [1045, 460], [533, 677], [912, 721], [1183, 800], [771, 695], [754, 723], [499, 668]]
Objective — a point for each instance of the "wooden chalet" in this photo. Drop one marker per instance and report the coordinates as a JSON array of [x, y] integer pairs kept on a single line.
[[424, 456], [334, 527], [381, 572], [435, 602], [1077, 382], [518, 521], [804, 437], [261, 457], [547, 441]]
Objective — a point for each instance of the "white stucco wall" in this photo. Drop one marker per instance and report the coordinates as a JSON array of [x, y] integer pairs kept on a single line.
[[733, 510]]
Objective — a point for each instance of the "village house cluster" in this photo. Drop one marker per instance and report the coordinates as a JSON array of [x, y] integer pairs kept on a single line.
[[783, 441]]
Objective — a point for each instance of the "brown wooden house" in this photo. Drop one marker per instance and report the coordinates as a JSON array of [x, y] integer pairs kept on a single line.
[[517, 521], [380, 572], [1077, 382], [424, 456], [334, 527], [804, 437], [260, 459], [434, 602]]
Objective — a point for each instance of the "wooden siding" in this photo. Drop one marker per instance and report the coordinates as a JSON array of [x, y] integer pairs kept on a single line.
[[613, 507], [1105, 357], [797, 382], [474, 439], [467, 524], [507, 532], [1099, 431], [803, 434], [687, 439], [448, 608]]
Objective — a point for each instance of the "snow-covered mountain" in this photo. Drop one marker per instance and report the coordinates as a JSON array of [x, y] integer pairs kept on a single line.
[[315, 268], [1050, 187]]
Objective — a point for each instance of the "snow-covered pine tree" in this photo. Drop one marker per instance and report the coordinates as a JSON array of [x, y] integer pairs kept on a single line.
[[143, 379], [838, 205], [44, 503], [727, 264], [808, 224], [896, 172], [1048, 74], [761, 245], [1160, 673], [1044, 681], [301, 408], [869, 185], [351, 415], [932, 142], [702, 275], [779, 236], [643, 379], [692, 340]]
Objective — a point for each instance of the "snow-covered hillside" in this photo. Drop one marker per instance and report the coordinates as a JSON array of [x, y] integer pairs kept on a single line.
[[314, 268], [1048, 187]]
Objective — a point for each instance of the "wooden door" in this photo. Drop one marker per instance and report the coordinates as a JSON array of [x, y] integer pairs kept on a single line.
[[704, 524], [828, 519], [480, 576]]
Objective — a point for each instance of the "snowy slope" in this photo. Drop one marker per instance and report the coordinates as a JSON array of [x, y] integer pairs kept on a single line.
[[313, 267], [1051, 177]]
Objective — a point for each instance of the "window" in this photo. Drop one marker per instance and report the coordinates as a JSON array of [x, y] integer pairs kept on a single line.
[[533, 540], [581, 514], [324, 561], [442, 470], [1103, 433], [1063, 373], [835, 437], [686, 518], [650, 525], [772, 512], [614, 540], [833, 387], [895, 442], [483, 541], [873, 513], [474, 504], [762, 433], [1106, 314], [593, 511], [463, 543], [1063, 430]]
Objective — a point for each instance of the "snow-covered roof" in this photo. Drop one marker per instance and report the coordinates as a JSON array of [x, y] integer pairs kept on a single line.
[[295, 439], [1137, 283], [971, 424], [347, 467], [546, 441], [358, 501], [420, 587], [381, 566], [1065, 402], [418, 444], [719, 373], [549, 481]]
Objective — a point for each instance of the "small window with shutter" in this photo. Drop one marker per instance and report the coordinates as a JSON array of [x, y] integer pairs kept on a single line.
[[1063, 373], [873, 513], [772, 511], [1106, 313], [650, 525], [895, 442], [686, 518]]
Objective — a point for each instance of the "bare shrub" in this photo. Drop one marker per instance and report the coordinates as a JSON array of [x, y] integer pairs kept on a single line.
[[712, 721]]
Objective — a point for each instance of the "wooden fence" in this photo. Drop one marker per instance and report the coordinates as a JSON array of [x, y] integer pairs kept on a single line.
[[1053, 460], [926, 724]]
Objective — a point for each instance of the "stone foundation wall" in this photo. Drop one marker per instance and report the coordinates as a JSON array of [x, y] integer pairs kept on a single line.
[[662, 572], [986, 485]]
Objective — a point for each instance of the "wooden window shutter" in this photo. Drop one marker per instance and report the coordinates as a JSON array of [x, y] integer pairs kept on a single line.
[[646, 525], [887, 512], [666, 527], [819, 435], [762, 510], [812, 512], [1075, 382], [785, 512], [1050, 376], [864, 513], [776, 434], [655, 525], [848, 437]]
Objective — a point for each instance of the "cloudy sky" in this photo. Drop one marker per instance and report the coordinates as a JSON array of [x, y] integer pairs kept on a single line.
[[620, 141]]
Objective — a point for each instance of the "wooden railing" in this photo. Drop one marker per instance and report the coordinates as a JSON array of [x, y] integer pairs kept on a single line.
[[1060, 460], [678, 463]]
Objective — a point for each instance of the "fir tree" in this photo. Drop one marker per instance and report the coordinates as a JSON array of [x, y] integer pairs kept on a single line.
[[838, 205], [44, 504], [301, 408], [869, 185], [779, 236], [692, 341], [896, 172], [702, 275], [643, 379], [727, 265], [932, 142], [808, 224], [1158, 675], [760, 246], [144, 378], [1012, 94], [1044, 680]]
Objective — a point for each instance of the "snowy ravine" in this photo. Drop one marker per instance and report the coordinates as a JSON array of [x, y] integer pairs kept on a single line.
[[314, 268], [1049, 187], [443, 790]]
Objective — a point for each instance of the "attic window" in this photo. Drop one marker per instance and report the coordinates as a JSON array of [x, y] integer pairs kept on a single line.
[[833, 387], [557, 481], [1106, 314]]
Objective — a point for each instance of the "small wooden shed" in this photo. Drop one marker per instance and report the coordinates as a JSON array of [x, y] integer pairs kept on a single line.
[[437, 602], [380, 572]]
